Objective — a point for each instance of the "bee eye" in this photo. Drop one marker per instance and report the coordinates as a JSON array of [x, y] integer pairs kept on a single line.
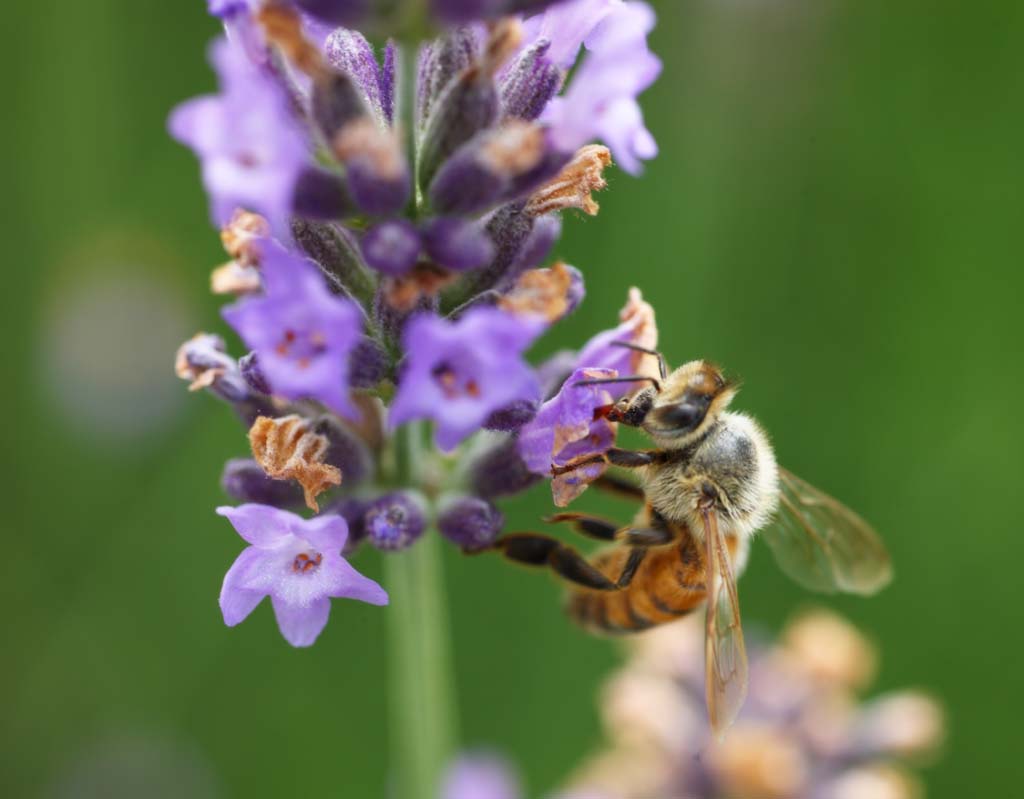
[[685, 415]]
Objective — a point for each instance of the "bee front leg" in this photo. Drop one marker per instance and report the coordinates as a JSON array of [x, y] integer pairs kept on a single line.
[[628, 459]]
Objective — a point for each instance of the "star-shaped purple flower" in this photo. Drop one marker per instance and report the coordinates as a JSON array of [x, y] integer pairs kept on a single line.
[[458, 373], [247, 138], [564, 429], [298, 563], [303, 333], [600, 102]]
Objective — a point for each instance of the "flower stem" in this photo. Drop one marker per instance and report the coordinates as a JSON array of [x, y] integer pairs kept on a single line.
[[423, 728]]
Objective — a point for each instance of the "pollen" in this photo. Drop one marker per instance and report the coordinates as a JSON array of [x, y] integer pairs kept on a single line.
[[305, 563], [448, 380]]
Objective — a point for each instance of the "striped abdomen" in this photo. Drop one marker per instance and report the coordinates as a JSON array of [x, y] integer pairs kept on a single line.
[[668, 584]]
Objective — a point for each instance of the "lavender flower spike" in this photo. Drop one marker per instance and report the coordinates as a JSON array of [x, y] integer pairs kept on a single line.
[[302, 333], [251, 148], [298, 563], [458, 373]]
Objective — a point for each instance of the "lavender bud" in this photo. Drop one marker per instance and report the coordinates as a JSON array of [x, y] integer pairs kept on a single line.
[[395, 520], [348, 51], [440, 62], [470, 522], [458, 244], [335, 12], [320, 194], [332, 248], [534, 249], [252, 374], [500, 471], [375, 193], [510, 418], [353, 511], [244, 480], [345, 450], [387, 81], [521, 242], [470, 103], [391, 247], [368, 363], [530, 83], [336, 102], [490, 168], [375, 167], [203, 361], [463, 185]]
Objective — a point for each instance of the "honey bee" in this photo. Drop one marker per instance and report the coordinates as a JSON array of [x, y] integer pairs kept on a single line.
[[709, 485]]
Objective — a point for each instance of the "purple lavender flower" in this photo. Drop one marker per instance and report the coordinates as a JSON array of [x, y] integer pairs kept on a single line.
[[636, 326], [458, 373], [302, 333], [241, 28], [297, 562], [566, 428], [247, 138], [600, 102], [480, 777]]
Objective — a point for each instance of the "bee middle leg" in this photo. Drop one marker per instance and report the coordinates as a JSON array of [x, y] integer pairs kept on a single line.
[[604, 530], [534, 549]]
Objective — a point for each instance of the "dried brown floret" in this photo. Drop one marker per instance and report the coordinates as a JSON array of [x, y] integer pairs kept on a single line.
[[288, 449], [543, 292], [572, 187], [424, 280]]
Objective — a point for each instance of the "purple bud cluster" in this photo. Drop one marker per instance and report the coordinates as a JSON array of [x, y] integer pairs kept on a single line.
[[388, 214]]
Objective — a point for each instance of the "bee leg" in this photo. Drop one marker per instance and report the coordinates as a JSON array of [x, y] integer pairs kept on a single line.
[[533, 549], [590, 526], [628, 459], [636, 557], [618, 486], [645, 536]]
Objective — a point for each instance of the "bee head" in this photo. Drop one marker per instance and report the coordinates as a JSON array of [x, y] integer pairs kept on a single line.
[[690, 400]]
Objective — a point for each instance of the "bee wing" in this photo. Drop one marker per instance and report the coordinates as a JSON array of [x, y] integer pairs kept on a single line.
[[725, 654], [824, 545]]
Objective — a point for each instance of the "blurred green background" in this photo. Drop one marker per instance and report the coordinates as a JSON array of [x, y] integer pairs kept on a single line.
[[835, 215]]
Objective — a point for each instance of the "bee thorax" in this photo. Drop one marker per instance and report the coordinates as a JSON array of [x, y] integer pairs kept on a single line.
[[734, 464]]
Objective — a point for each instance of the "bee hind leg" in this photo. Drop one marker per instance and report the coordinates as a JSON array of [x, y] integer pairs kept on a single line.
[[534, 549]]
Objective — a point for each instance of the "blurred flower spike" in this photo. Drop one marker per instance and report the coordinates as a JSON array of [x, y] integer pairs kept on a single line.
[[389, 217], [803, 733]]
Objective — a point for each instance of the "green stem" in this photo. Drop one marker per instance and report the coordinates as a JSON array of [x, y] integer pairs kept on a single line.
[[423, 728]]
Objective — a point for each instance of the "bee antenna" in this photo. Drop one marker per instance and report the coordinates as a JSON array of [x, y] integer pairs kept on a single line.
[[629, 345], [597, 381]]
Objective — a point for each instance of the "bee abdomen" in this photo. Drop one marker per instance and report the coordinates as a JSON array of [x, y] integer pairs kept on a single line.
[[655, 596]]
